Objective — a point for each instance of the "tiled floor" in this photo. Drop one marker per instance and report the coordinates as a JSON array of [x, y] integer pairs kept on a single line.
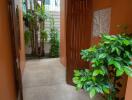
[[45, 80]]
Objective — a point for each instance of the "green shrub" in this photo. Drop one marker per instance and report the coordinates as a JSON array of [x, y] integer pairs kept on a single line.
[[27, 36], [54, 39], [110, 59]]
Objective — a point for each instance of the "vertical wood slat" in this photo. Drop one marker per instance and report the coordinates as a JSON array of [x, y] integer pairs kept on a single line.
[[78, 34]]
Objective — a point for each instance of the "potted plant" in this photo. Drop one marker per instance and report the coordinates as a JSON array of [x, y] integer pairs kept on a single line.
[[110, 59]]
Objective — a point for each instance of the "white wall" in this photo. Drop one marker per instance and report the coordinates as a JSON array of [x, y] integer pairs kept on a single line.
[[56, 16], [52, 6]]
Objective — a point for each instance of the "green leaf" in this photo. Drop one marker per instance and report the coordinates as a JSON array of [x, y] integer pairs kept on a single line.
[[79, 86], [77, 73], [92, 49], [119, 72], [102, 72], [92, 92], [83, 79], [118, 51], [130, 63], [96, 72], [115, 63], [93, 60], [106, 89], [99, 89], [87, 86], [127, 54], [126, 42], [103, 55], [128, 71], [76, 80]]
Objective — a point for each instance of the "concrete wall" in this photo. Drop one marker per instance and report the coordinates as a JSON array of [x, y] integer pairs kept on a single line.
[[7, 84], [56, 16]]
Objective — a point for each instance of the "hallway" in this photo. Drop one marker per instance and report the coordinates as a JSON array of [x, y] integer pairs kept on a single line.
[[45, 80]]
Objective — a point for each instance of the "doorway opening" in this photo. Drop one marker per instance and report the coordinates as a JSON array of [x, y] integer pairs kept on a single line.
[[42, 28], [43, 77]]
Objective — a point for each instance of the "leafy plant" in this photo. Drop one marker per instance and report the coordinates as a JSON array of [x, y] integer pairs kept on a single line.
[[44, 35], [110, 59], [35, 22], [54, 41], [27, 36], [41, 13], [28, 17]]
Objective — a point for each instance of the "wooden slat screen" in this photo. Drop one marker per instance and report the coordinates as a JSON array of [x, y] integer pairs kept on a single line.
[[78, 33]]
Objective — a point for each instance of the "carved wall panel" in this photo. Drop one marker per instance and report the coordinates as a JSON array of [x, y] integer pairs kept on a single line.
[[101, 21]]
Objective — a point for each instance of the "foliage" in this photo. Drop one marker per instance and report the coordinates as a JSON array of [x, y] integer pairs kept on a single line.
[[27, 36], [35, 22], [41, 13], [44, 35], [54, 50], [29, 17], [113, 55]]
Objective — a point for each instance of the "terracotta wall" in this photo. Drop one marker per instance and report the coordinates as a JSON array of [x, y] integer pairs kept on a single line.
[[129, 89], [97, 5], [63, 32], [7, 84], [121, 14]]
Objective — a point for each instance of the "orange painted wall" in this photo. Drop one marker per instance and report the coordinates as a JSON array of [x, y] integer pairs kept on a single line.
[[129, 89], [121, 14], [7, 84], [101, 4], [97, 5]]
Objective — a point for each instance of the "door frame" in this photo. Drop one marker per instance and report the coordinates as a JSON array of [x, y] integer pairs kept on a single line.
[[15, 49]]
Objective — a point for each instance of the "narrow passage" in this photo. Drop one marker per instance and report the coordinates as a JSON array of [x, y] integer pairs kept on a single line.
[[45, 80]]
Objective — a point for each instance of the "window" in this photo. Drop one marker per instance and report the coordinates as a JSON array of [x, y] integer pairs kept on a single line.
[[47, 2]]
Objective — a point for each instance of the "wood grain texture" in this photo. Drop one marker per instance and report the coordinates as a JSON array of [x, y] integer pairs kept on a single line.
[[63, 32], [78, 34]]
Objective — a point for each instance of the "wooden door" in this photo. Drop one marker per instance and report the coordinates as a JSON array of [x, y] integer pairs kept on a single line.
[[78, 33], [15, 39]]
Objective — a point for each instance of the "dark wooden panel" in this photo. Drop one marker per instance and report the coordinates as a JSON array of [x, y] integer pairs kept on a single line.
[[78, 33]]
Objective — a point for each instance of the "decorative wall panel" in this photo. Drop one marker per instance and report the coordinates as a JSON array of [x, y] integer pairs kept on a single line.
[[101, 21]]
